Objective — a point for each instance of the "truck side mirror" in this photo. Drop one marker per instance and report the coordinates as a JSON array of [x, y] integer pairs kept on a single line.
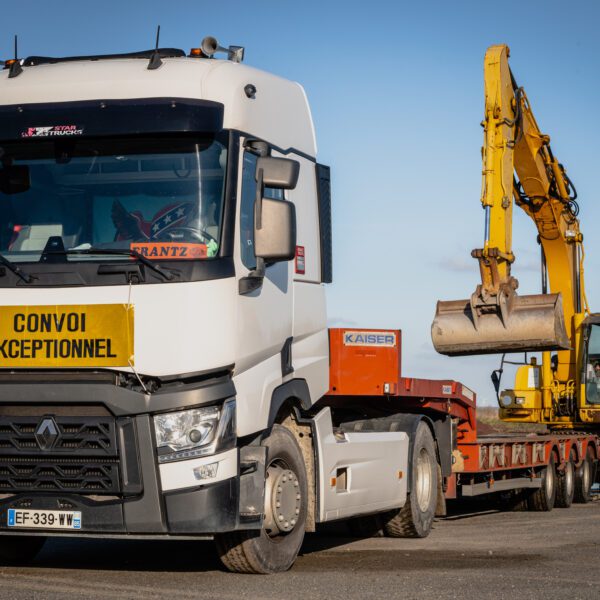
[[278, 173], [274, 220], [275, 231]]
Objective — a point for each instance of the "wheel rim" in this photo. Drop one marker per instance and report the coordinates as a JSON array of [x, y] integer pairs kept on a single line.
[[585, 476], [424, 479], [549, 483], [569, 479], [283, 500]]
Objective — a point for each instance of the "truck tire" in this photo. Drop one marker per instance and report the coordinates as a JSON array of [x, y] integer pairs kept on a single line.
[[415, 518], [16, 549], [543, 498], [583, 480], [565, 484], [273, 548]]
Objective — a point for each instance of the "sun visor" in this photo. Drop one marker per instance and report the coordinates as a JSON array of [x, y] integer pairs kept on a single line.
[[106, 118]]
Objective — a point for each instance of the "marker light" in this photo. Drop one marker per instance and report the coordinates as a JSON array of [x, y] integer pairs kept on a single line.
[[197, 53], [206, 471]]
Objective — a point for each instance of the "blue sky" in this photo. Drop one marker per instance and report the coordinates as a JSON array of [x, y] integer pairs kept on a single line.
[[396, 91]]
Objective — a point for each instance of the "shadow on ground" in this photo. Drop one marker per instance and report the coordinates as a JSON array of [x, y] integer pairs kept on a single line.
[[317, 551]]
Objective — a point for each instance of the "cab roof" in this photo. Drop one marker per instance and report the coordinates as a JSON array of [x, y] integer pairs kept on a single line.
[[278, 112]]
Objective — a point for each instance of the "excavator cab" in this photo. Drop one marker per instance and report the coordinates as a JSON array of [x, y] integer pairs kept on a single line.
[[591, 359]]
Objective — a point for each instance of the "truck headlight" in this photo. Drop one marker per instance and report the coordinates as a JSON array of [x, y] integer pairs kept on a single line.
[[195, 432], [187, 428]]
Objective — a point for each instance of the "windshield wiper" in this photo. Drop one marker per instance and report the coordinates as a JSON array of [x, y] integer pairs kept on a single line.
[[12, 267], [168, 275], [55, 246]]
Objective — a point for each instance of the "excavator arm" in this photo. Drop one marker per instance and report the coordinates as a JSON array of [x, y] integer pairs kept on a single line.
[[496, 319], [520, 168]]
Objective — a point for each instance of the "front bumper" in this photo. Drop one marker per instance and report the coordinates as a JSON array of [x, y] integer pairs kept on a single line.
[[152, 500]]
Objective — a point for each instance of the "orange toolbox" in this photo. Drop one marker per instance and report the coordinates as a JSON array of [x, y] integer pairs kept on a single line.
[[364, 362]]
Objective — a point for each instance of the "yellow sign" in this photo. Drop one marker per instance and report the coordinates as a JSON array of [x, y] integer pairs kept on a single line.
[[77, 335]]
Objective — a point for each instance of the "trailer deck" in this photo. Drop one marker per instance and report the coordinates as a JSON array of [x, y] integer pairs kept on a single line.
[[367, 363]]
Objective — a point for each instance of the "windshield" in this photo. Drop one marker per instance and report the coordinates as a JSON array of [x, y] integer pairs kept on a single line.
[[592, 367], [162, 198]]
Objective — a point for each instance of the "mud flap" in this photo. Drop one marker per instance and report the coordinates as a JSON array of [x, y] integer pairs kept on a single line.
[[440, 509], [252, 486]]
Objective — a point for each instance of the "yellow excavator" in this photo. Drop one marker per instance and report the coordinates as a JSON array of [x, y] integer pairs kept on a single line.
[[518, 164]]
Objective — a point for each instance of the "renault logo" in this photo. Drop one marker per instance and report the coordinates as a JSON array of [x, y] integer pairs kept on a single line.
[[46, 433]]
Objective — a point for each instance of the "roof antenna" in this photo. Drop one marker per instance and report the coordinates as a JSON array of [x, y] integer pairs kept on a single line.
[[15, 68], [155, 61]]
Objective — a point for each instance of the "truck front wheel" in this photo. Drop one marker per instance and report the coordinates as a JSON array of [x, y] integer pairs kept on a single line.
[[275, 547], [415, 518]]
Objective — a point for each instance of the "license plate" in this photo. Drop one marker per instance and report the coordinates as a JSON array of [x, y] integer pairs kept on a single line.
[[44, 519], [74, 335]]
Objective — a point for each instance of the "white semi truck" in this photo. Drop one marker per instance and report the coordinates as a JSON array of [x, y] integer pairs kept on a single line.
[[165, 365]]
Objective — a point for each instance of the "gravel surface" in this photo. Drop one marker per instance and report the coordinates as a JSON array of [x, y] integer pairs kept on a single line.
[[476, 552]]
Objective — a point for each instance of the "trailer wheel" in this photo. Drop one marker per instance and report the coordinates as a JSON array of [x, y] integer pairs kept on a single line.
[[565, 484], [543, 498], [19, 549], [583, 480], [273, 548], [414, 519]]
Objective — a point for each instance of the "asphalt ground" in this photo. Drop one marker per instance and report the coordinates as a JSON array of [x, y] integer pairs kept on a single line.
[[476, 552]]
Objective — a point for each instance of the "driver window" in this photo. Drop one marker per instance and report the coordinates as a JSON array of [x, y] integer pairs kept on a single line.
[[592, 374], [247, 211], [248, 197]]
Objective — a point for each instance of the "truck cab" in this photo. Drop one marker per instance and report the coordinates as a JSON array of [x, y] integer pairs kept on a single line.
[[165, 369]]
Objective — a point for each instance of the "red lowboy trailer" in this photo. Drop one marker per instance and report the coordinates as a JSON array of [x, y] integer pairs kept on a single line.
[[540, 470]]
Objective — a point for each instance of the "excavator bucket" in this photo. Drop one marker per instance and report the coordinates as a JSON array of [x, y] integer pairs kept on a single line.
[[533, 323]]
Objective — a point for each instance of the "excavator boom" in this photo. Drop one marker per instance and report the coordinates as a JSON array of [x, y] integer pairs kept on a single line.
[[495, 318]]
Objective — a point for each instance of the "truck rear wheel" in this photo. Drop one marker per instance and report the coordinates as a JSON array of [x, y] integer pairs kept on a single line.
[[565, 484], [275, 547], [583, 480], [543, 498], [415, 518], [19, 549]]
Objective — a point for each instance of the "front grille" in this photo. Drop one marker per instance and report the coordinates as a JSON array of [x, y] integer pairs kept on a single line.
[[81, 455], [94, 436]]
